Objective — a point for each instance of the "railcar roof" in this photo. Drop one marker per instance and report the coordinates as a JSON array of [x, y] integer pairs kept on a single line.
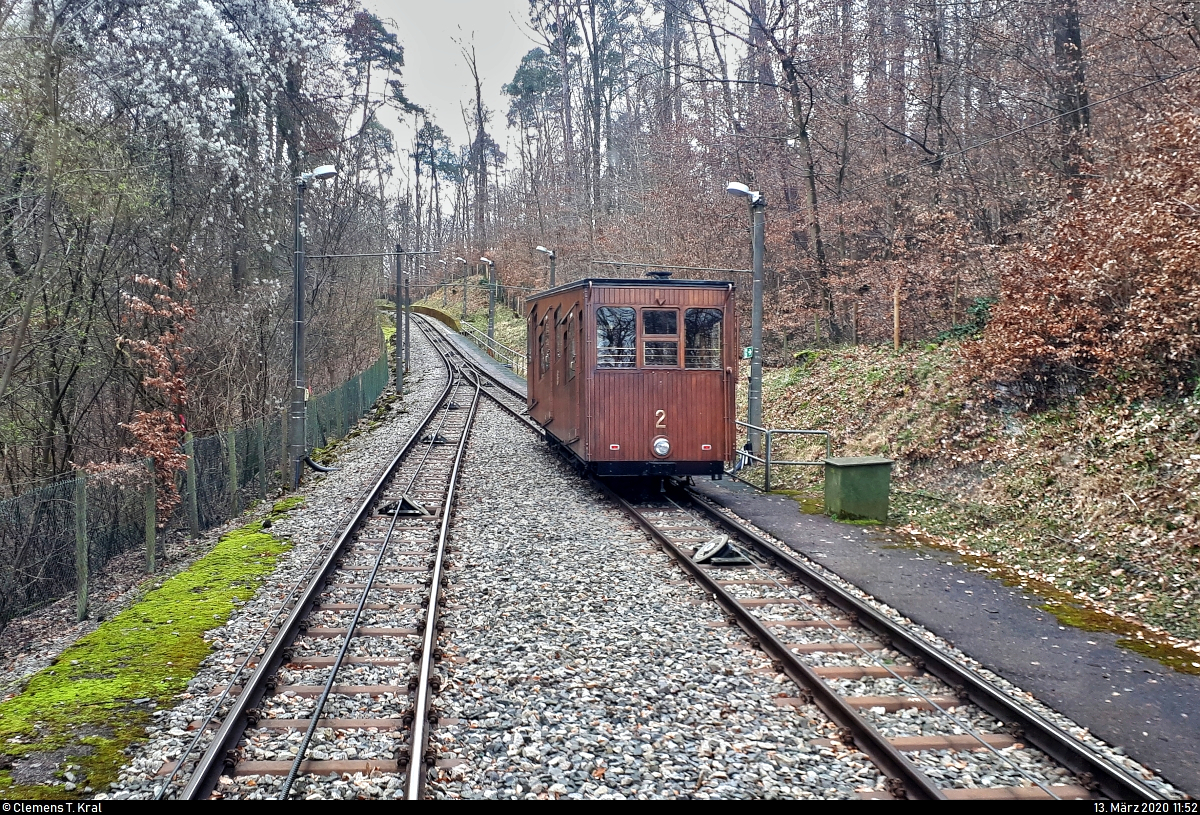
[[634, 282]]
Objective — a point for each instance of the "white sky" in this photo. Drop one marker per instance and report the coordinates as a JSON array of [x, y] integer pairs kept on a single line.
[[435, 75]]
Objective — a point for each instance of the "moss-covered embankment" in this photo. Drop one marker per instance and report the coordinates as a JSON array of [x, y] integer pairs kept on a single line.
[[67, 731]]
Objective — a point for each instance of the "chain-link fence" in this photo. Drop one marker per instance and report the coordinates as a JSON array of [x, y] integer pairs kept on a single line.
[[53, 537]]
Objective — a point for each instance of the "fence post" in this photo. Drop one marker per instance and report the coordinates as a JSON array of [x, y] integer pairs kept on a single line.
[[767, 477], [231, 448], [193, 511], [896, 318], [261, 429], [151, 518], [283, 461], [81, 546]]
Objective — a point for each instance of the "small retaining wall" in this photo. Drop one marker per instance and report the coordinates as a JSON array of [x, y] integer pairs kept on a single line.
[[438, 315]]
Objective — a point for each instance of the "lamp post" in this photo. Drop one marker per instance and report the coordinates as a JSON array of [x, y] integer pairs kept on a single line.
[[444, 280], [549, 252], [466, 272], [407, 323], [491, 297], [400, 317], [297, 412], [758, 205]]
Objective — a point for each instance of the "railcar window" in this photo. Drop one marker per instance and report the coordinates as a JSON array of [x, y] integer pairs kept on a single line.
[[662, 355], [545, 340], [569, 341], [558, 349], [660, 323], [616, 335], [702, 338], [530, 330]]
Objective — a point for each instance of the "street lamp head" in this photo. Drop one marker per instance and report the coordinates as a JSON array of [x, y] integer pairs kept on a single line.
[[549, 252], [442, 262], [742, 191], [325, 171], [488, 262], [461, 260]]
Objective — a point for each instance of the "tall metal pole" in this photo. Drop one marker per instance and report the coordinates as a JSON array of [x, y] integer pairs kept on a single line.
[[400, 328], [296, 413], [491, 301], [552, 259], [466, 277], [755, 395], [407, 325]]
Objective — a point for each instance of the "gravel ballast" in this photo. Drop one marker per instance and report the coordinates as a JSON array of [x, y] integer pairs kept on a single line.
[[582, 666]]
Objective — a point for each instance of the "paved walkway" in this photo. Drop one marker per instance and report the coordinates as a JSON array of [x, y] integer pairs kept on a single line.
[[1129, 701], [493, 367]]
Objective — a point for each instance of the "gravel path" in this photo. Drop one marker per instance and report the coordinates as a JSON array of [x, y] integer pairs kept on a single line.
[[583, 666], [329, 502]]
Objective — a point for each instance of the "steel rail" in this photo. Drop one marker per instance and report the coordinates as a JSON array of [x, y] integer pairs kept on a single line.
[[912, 689], [368, 585], [206, 774], [868, 739], [1073, 754], [439, 331], [414, 782], [881, 751]]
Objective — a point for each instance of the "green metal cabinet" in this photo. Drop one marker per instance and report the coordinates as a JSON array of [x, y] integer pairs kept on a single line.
[[856, 488]]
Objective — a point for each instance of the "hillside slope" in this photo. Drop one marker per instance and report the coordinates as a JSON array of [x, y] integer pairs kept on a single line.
[[1097, 502]]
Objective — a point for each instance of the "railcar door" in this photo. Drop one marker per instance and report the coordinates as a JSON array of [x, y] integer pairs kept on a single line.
[[567, 394]]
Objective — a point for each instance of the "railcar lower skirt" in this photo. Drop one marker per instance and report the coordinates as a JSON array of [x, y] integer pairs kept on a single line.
[[657, 468]]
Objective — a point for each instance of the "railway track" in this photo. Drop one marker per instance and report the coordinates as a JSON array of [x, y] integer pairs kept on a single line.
[[362, 632], [884, 685]]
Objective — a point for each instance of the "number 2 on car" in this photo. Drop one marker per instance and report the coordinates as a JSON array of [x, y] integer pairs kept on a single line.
[[661, 417]]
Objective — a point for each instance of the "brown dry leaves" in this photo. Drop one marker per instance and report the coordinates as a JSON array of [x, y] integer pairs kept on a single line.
[[1116, 295], [158, 432]]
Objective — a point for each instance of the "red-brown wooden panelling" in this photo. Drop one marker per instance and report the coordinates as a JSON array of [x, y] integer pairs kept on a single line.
[[601, 407]]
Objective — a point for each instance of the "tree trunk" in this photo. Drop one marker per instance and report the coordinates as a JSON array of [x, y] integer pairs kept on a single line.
[[1075, 122]]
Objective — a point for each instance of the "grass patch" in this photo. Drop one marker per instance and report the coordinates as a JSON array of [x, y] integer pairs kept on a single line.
[[810, 504], [388, 327], [95, 701], [284, 505], [1134, 637]]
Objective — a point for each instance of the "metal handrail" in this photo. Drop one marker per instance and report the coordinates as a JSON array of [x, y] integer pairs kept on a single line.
[[767, 460], [497, 350]]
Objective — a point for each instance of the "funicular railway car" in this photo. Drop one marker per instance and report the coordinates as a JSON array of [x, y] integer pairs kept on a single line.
[[636, 377]]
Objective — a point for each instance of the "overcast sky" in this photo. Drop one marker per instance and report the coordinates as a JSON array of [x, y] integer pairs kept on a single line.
[[435, 74]]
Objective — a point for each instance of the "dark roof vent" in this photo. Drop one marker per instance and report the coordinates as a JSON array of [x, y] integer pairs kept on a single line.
[[659, 275]]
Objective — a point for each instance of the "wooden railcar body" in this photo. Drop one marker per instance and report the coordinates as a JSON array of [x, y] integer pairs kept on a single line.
[[617, 365]]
